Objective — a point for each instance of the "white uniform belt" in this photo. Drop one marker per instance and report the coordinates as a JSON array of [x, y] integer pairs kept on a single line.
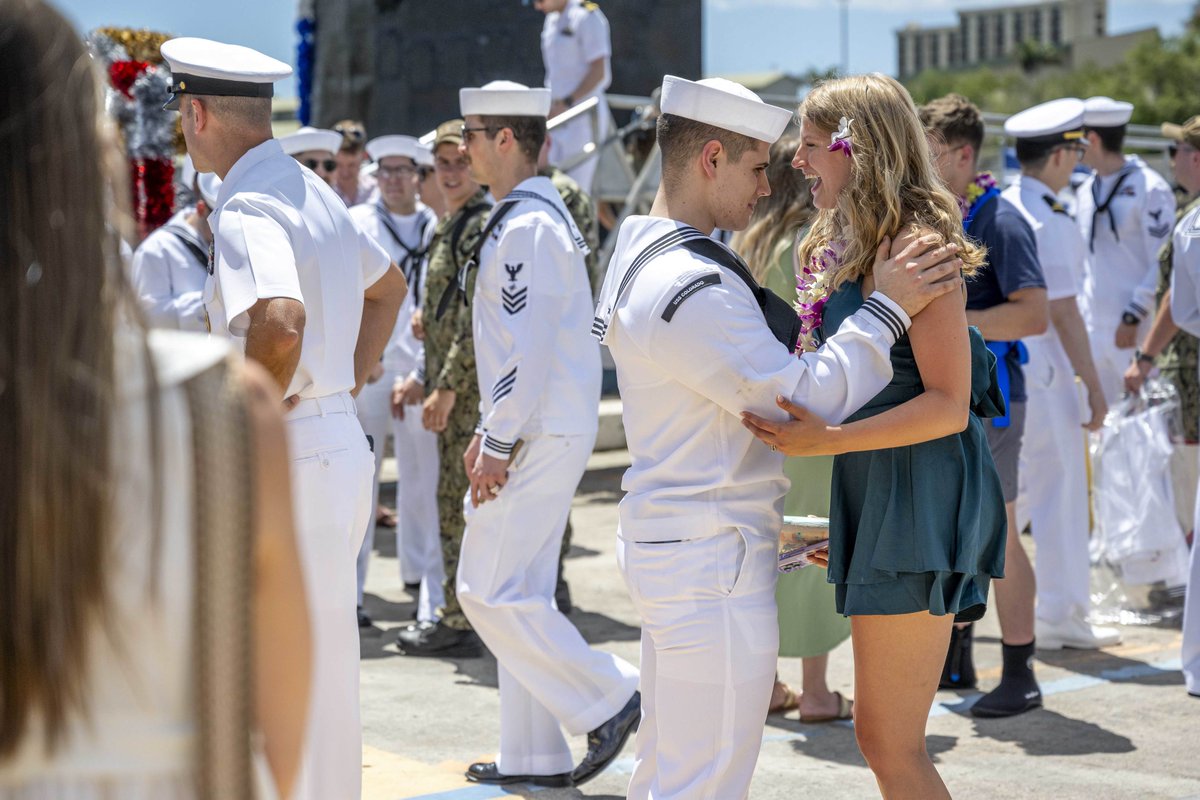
[[341, 403]]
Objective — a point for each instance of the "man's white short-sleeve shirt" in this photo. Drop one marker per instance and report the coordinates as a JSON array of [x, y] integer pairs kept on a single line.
[[280, 231]]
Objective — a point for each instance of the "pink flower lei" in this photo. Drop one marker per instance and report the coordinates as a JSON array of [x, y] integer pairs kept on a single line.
[[812, 292]]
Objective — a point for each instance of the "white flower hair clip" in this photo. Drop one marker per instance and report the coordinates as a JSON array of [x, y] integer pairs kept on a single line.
[[840, 140]]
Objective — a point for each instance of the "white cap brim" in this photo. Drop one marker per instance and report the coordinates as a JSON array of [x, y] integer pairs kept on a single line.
[[1104, 112], [504, 99], [390, 146], [724, 104], [306, 139]]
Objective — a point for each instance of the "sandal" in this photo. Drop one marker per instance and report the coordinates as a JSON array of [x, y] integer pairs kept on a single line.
[[790, 701], [845, 711]]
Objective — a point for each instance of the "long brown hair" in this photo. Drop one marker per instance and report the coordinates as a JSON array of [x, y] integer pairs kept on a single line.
[[893, 187], [60, 283], [782, 214]]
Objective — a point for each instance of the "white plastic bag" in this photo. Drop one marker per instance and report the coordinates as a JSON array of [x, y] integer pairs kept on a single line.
[[1138, 534]]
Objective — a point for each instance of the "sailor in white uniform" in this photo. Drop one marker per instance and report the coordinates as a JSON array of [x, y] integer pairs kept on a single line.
[[313, 299], [1185, 309], [403, 226], [539, 380], [1125, 212], [1053, 493], [576, 51], [696, 342], [171, 265], [315, 148]]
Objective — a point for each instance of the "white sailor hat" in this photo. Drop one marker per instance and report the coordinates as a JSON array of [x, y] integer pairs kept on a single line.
[[425, 156], [504, 99], [209, 185], [205, 67], [387, 146], [1104, 112], [1049, 123], [724, 104], [308, 138]]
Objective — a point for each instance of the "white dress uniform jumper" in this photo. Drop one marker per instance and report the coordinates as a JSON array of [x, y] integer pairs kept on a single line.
[[169, 271], [406, 239], [1125, 219], [539, 378], [571, 40], [700, 520]]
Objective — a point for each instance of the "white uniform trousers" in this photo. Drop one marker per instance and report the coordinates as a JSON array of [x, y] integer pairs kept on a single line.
[[374, 405], [567, 141], [549, 676], [418, 529], [1111, 362], [1053, 496], [1190, 654], [710, 643], [331, 484]]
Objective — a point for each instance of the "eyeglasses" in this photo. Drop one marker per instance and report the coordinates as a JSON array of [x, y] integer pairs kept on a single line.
[[466, 132], [402, 171], [326, 164]]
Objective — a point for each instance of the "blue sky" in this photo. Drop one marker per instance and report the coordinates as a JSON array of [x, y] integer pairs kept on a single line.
[[740, 35]]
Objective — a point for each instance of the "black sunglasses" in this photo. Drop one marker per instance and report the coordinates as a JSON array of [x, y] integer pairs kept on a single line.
[[328, 164]]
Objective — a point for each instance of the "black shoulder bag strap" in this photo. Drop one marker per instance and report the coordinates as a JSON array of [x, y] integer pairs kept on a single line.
[[780, 317], [460, 286]]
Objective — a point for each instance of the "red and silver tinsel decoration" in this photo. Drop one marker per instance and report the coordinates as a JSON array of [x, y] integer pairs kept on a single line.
[[139, 82]]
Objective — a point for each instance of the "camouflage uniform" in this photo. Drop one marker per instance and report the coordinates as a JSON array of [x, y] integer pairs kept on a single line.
[[1177, 363], [450, 364], [583, 212]]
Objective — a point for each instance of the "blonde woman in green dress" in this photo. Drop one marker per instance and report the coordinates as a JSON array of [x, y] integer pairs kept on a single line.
[[809, 625]]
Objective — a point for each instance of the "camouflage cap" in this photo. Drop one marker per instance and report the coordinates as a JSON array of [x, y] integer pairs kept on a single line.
[[449, 132], [1187, 132]]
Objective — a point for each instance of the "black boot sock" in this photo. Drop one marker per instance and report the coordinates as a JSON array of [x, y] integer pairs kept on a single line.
[[1018, 691], [959, 670]]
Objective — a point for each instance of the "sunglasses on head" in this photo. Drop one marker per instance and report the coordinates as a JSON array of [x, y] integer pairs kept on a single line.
[[327, 164], [352, 132]]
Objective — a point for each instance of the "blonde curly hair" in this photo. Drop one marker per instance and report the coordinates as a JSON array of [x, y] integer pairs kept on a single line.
[[893, 187]]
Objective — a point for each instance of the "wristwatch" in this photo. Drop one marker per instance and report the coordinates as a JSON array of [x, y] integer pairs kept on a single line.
[[1129, 318], [1139, 357]]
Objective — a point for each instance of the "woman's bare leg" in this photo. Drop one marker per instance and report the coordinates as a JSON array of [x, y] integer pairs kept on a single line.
[[897, 664]]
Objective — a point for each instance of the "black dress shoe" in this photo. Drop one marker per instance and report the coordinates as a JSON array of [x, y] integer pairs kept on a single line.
[[486, 772], [606, 742], [364, 619], [438, 641]]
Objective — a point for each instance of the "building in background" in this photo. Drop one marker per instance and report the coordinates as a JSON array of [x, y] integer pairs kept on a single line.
[[399, 65], [1071, 32]]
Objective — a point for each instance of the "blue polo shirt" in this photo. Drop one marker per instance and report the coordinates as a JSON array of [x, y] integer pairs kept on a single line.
[[1012, 264]]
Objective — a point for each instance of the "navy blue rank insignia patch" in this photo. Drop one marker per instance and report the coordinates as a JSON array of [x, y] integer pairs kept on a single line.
[[711, 279]]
